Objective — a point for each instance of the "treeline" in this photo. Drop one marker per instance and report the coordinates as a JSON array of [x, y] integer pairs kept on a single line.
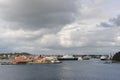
[[116, 57], [16, 53]]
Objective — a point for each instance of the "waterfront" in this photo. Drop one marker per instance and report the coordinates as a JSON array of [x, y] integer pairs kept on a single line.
[[68, 70]]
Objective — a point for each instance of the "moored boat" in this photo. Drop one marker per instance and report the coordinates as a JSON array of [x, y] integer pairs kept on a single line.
[[67, 57], [103, 58], [80, 58]]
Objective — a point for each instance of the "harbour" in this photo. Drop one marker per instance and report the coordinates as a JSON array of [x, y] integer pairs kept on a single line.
[[23, 58], [59, 40]]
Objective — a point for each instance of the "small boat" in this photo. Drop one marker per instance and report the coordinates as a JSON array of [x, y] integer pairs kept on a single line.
[[86, 58], [80, 58], [55, 61], [103, 58]]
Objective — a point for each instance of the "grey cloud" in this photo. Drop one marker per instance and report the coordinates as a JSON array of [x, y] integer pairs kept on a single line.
[[39, 13], [103, 24], [115, 22]]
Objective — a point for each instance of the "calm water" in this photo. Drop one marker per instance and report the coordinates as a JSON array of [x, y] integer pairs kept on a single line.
[[68, 70]]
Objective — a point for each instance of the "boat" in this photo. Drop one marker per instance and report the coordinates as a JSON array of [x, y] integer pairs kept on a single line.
[[80, 58], [67, 57], [103, 58], [55, 61], [86, 58]]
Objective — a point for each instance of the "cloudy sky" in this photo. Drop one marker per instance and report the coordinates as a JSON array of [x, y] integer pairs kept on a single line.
[[60, 26]]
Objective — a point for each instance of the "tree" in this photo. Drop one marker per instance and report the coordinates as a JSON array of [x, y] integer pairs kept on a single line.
[[116, 57]]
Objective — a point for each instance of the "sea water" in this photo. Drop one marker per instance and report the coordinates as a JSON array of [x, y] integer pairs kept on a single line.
[[67, 70]]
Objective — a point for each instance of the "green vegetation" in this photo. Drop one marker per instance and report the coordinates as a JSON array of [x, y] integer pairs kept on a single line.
[[33, 63], [1, 57], [16, 53], [22, 53], [39, 62], [116, 57]]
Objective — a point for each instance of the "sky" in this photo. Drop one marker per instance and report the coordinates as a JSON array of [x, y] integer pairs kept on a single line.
[[60, 26]]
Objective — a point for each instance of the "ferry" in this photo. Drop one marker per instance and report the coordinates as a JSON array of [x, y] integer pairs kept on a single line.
[[67, 57]]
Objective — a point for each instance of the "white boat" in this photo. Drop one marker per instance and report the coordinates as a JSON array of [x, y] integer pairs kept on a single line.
[[103, 58], [80, 58], [55, 61], [67, 57]]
